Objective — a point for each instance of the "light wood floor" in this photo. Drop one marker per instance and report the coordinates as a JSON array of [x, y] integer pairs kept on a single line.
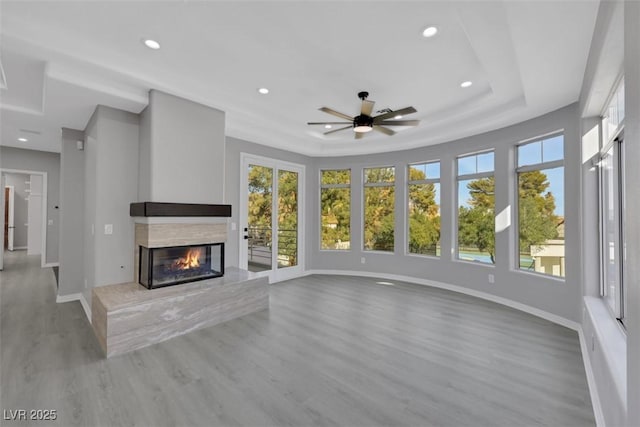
[[331, 351]]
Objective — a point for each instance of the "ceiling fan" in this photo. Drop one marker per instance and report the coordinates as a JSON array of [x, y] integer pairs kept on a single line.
[[365, 122]]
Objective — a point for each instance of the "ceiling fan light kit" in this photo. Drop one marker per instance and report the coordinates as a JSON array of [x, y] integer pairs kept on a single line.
[[362, 123], [365, 122]]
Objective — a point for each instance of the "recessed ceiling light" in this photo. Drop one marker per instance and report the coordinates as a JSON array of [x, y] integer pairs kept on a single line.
[[466, 84], [385, 283], [327, 126], [263, 90], [151, 44], [398, 117], [430, 32], [22, 139]]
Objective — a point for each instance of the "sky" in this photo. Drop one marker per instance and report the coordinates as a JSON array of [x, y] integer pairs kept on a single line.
[[547, 150]]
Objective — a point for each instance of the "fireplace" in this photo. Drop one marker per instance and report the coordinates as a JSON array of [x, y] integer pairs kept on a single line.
[[174, 265]]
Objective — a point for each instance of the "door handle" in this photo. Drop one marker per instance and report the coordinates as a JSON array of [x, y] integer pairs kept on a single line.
[[246, 237]]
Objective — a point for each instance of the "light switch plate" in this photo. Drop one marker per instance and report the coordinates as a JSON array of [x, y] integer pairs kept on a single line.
[[108, 229]]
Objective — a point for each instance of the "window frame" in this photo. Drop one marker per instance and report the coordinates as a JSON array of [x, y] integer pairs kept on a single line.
[[553, 164], [615, 141], [466, 177], [619, 200], [328, 186], [606, 139], [406, 198], [366, 184]]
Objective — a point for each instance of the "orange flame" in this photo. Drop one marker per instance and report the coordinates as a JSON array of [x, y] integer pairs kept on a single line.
[[191, 260]]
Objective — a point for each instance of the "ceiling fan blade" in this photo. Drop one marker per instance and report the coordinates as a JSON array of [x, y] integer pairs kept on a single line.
[[358, 135], [367, 107], [336, 130], [329, 123], [401, 112], [384, 130], [335, 113], [399, 123]]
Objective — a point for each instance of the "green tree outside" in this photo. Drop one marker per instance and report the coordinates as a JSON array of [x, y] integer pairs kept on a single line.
[[424, 215]]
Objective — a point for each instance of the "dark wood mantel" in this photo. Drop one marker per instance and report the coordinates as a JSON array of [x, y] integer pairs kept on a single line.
[[148, 209]]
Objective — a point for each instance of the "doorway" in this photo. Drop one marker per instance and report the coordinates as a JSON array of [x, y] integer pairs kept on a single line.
[[271, 217], [24, 203]]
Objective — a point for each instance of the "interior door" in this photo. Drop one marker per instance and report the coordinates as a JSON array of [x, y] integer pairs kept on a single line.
[[271, 217], [6, 218], [9, 216], [2, 212]]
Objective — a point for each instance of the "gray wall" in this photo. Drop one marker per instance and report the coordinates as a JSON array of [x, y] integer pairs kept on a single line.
[[558, 297], [632, 177], [20, 209], [111, 174], [607, 58], [232, 187], [144, 157], [182, 151], [41, 161], [90, 203], [72, 183]]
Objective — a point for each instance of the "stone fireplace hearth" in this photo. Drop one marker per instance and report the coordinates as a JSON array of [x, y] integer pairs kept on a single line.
[[127, 316]]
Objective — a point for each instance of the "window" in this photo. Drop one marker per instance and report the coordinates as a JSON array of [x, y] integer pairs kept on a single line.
[[476, 207], [379, 201], [424, 208], [541, 218], [613, 117], [335, 209], [612, 201]]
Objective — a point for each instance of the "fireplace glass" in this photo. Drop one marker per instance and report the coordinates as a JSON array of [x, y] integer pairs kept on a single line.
[[180, 264]]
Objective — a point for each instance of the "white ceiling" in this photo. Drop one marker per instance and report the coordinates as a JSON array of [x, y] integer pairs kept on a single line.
[[525, 58]]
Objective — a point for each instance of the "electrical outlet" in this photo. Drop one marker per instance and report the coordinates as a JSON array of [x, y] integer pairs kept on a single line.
[[492, 278], [363, 260], [108, 229], [50, 222]]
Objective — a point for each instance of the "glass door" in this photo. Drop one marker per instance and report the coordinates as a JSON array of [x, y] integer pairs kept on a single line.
[[271, 206], [287, 208], [259, 218]]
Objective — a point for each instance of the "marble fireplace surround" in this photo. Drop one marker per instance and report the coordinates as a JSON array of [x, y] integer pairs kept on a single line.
[[128, 316], [160, 225]]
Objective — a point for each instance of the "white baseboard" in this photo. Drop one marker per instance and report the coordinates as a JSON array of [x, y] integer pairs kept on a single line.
[[86, 306], [19, 248], [76, 297], [591, 381], [460, 289], [68, 298], [51, 264]]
